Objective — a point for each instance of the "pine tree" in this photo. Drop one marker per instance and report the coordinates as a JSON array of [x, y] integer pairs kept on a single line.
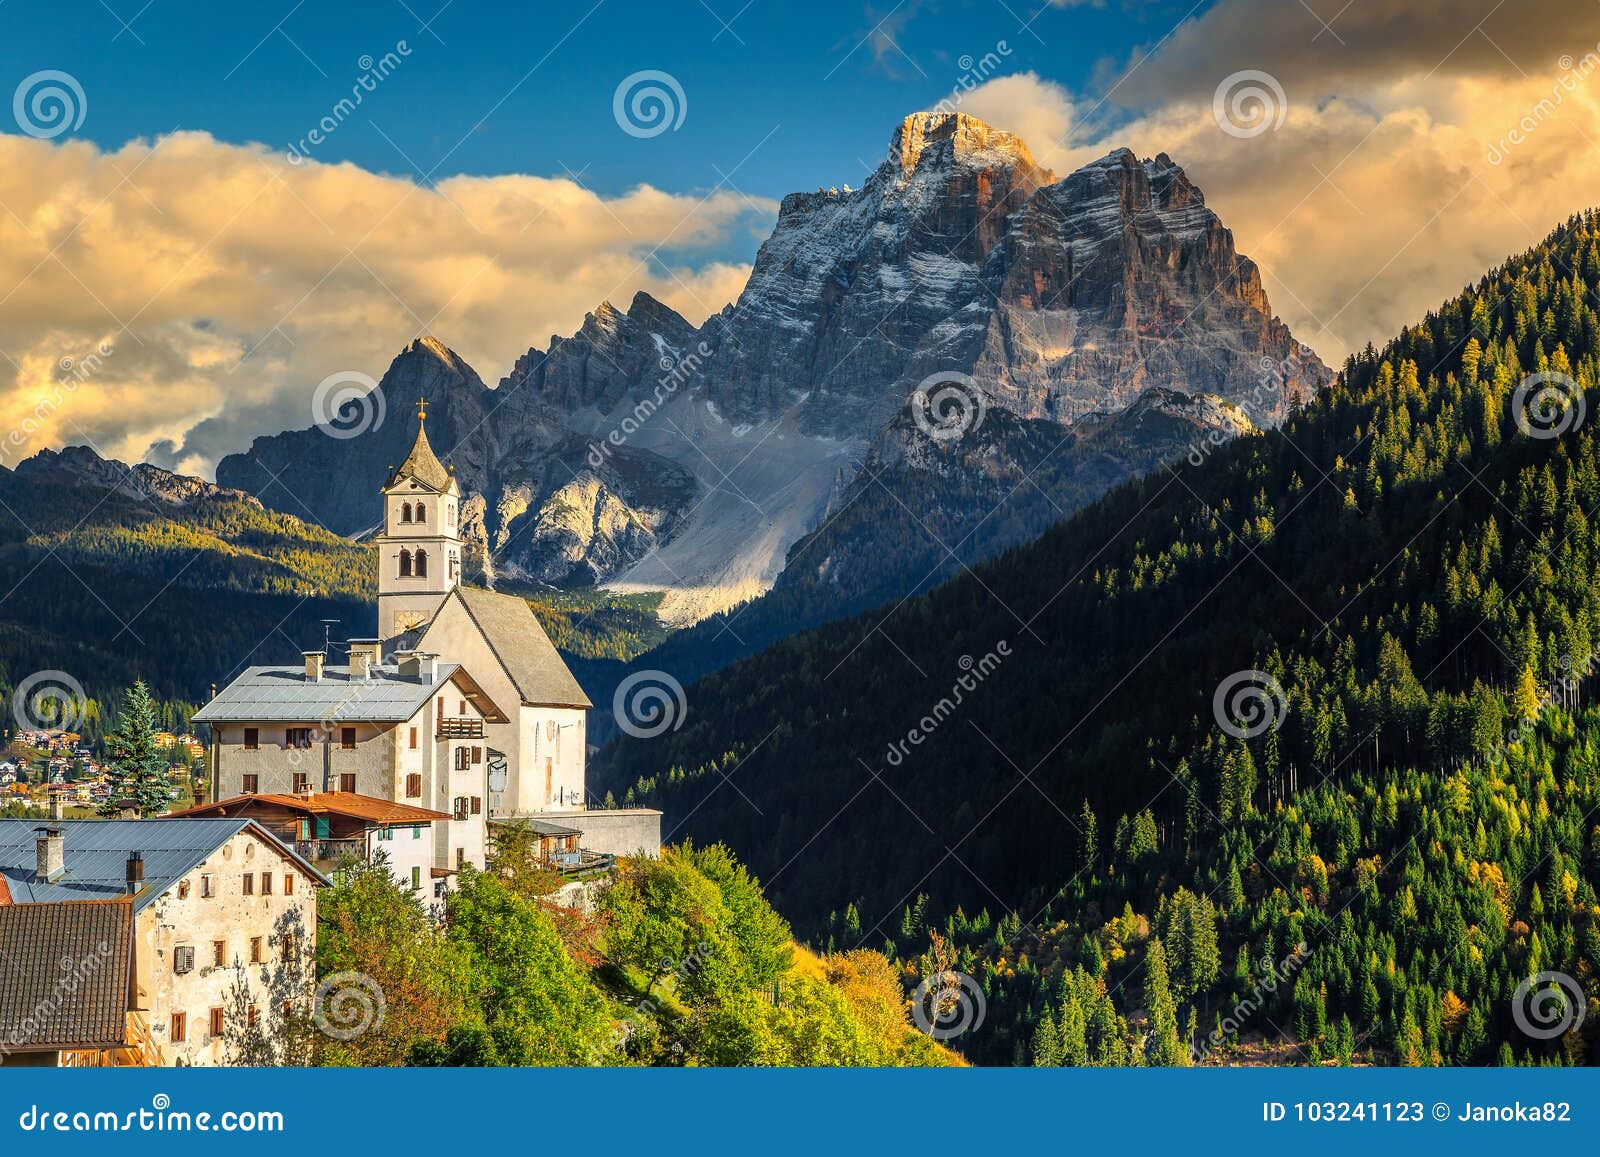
[[136, 768], [1164, 1046]]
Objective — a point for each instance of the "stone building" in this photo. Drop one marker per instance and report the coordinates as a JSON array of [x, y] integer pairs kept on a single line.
[[223, 914]]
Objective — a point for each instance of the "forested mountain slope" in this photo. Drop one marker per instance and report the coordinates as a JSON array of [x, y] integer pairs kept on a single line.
[[1405, 569]]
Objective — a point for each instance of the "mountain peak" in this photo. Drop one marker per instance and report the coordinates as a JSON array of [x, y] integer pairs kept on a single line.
[[923, 132]]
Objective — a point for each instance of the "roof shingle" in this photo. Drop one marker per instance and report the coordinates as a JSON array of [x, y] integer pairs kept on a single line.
[[67, 972]]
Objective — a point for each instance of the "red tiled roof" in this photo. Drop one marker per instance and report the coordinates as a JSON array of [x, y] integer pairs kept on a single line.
[[344, 803]]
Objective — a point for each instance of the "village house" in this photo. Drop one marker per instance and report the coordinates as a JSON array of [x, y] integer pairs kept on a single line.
[[223, 920], [327, 827], [410, 732]]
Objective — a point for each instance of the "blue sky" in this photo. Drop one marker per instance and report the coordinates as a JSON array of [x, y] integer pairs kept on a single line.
[[484, 191], [821, 78]]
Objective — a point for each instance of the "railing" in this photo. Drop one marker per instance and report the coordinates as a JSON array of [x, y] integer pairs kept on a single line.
[[460, 729], [327, 850], [582, 860]]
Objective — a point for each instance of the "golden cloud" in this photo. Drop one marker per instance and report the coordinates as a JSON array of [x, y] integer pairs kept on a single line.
[[187, 294]]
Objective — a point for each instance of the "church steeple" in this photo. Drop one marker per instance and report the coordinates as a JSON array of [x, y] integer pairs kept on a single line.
[[420, 548]]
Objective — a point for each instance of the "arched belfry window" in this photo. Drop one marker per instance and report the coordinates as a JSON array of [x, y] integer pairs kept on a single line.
[[422, 513], [405, 512], [422, 564], [405, 564]]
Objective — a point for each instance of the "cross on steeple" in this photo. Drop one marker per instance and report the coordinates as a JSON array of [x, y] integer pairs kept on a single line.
[[422, 409]]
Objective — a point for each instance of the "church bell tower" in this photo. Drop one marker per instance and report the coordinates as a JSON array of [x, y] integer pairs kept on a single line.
[[419, 551]]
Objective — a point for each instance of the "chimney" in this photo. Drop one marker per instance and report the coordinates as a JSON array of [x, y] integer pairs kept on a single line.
[[52, 853], [420, 665], [135, 873], [314, 665], [365, 654], [55, 805]]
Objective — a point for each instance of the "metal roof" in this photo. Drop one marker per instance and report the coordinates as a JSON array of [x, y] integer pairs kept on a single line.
[[82, 948], [513, 633], [285, 695], [96, 855]]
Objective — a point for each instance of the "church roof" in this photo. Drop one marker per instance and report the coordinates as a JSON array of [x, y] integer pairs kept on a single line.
[[531, 661], [423, 464]]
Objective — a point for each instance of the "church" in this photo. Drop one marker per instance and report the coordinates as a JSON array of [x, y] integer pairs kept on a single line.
[[459, 702]]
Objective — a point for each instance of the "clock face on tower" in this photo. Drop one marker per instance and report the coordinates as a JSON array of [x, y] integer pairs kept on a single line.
[[408, 621]]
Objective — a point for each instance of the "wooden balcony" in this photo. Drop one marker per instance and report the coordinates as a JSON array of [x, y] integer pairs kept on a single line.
[[460, 729]]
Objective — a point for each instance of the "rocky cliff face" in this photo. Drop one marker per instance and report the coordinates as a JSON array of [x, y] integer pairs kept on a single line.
[[145, 484], [650, 454]]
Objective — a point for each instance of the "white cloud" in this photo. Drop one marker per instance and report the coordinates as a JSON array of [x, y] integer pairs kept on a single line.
[[227, 282]]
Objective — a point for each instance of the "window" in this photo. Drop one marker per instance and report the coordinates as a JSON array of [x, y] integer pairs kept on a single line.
[[347, 782], [266, 883], [249, 884], [416, 879], [477, 755], [183, 959], [385, 833], [183, 889], [251, 783], [413, 786], [477, 805], [297, 737], [416, 832], [251, 1016], [405, 564], [461, 805], [252, 738], [288, 884], [255, 950], [347, 738], [463, 758], [422, 516], [301, 784], [216, 1022], [207, 887], [219, 953], [463, 710], [180, 1027], [413, 739], [422, 564], [405, 512], [461, 858], [288, 947]]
